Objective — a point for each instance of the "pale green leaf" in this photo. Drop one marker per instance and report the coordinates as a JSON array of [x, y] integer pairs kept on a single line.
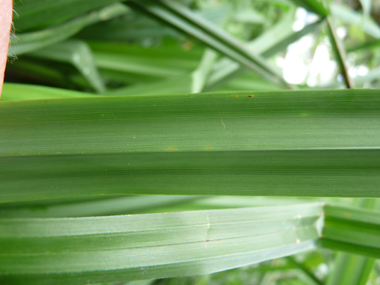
[[123, 248], [200, 75], [366, 5], [352, 17]]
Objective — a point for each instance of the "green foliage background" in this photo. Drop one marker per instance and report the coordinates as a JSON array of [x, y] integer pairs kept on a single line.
[[120, 119]]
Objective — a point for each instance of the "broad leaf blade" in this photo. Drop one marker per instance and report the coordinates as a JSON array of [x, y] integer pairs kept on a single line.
[[299, 143]]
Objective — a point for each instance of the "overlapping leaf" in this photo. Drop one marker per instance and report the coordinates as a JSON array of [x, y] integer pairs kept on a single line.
[[32, 41], [122, 248], [183, 19]]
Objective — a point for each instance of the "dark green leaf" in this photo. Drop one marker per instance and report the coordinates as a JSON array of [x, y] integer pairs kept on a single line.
[[299, 143]]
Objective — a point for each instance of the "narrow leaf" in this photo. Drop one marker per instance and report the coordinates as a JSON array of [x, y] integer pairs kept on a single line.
[[94, 207]]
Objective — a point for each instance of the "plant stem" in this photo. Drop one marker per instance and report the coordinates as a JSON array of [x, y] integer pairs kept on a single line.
[[304, 269], [339, 53]]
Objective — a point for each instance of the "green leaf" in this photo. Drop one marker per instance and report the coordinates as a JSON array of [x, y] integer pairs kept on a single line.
[[366, 5], [42, 14], [122, 248], [77, 53], [352, 229], [200, 75], [242, 82], [282, 44], [352, 17], [314, 6], [226, 69], [360, 266], [137, 27], [289, 143], [92, 207], [275, 34], [175, 85], [18, 92], [187, 83], [367, 45], [27, 42], [305, 270], [249, 16], [185, 20], [133, 63]]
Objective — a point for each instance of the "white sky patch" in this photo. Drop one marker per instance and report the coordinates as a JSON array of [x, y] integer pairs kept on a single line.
[[295, 66], [299, 23], [298, 68], [322, 68], [360, 70], [341, 32]]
